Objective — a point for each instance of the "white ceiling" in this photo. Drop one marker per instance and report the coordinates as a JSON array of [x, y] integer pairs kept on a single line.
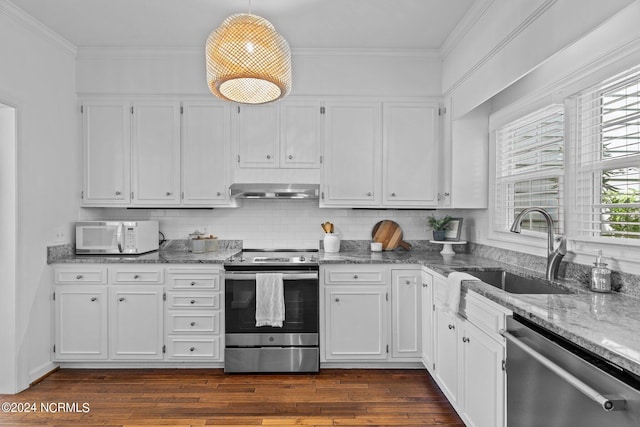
[[330, 24]]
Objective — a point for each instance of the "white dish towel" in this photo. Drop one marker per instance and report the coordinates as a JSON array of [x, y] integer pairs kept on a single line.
[[453, 290], [269, 299]]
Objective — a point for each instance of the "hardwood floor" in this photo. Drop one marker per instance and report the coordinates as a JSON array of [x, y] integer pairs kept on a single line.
[[196, 397]]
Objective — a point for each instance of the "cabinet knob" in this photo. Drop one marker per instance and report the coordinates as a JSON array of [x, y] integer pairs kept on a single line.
[[193, 283], [121, 299], [193, 301], [465, 339], [193, 323], [369, 194], [218, 194], [79, 276], [452, 326], [192, 349], [118, 193], [393, 194], [268, 156], [337, 299], [136, 276], [168, 193], [94, 299], [425, 285], [407, 282], [290, 156], [355, 276]]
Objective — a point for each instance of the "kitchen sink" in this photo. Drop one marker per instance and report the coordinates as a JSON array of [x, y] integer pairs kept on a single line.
[[516, 284]]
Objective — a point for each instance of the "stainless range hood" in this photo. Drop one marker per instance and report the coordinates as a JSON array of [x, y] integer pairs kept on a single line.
[[275, 191]]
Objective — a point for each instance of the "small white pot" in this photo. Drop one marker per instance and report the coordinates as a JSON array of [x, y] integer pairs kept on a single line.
[[332, 242]]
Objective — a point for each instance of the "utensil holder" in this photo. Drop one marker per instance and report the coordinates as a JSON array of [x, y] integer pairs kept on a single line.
[[332, 242]]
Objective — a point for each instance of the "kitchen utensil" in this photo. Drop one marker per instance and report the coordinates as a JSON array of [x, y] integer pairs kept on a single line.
[[389, 234], [327, 227]]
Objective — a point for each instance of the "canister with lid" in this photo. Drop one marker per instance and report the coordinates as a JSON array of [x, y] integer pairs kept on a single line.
[[600, 276]]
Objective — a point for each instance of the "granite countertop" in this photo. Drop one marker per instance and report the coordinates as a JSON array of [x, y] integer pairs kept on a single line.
[[606, 324]]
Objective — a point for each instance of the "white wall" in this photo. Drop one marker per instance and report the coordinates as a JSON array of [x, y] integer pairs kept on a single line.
[[37, 76], [375, 73], [512, 38]]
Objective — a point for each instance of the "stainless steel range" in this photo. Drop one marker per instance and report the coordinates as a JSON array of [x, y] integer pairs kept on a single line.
[[291, 347]]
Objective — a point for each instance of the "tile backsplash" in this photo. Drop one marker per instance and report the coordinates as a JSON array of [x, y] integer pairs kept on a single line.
[[274, 223]]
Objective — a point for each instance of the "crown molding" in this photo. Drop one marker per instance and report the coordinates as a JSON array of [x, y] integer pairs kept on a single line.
[[27, 21], [467, 22]]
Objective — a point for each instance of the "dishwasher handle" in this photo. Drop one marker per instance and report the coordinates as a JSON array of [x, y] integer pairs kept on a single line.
[[607, 402]]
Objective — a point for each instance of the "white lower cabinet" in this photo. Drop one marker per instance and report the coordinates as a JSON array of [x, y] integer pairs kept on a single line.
[[469, 355], [193, 319], [80, 322], [406, 312], [135, 324], [427, 327]]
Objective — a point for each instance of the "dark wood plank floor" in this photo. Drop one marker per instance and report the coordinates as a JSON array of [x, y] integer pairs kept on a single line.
[[196, 397]]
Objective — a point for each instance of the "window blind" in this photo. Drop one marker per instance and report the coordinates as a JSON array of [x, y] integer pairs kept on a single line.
[[529, 169], [608, 159]]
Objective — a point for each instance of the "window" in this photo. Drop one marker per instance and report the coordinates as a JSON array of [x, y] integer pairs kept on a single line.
[[529, 169], [608, 159]]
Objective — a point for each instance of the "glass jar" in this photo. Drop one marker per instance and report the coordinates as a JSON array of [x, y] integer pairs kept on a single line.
[[600, 276]]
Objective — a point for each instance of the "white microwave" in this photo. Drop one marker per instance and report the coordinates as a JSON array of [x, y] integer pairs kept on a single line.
[[116, 237]]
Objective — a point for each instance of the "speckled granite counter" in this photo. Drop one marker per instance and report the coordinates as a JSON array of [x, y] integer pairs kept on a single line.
[[606, 324]]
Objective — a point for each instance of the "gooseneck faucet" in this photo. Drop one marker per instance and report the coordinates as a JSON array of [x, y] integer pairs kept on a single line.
[[553, 256]]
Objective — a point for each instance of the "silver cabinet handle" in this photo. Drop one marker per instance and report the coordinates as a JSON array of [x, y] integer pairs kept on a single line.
[[337, 299], [136, 276], [608, 402], [118, 193], [94, 299], [218, 194], [193, 283], [355, 276], [268, 156], [121, 299], [452, 326], [168, 193], [192, 349], [393, 194], [79, 276], [193, 323], [425, 285], [369, 194], [290, 156], [465, 339], [193, 301], [407, 282]]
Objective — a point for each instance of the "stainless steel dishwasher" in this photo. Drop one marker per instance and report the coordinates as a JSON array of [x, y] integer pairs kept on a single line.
[[551, 382]]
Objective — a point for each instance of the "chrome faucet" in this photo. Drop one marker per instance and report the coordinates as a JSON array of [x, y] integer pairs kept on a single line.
[[553, 256]]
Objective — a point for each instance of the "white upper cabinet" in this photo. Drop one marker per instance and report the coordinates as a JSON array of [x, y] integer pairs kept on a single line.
[[353, 148], [107, 144], [156, 153], [410, 154], [205, 153], [300, 135], [282, 135], [258, 136]]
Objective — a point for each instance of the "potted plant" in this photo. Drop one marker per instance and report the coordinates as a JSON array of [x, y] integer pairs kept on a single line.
[[439, 226]]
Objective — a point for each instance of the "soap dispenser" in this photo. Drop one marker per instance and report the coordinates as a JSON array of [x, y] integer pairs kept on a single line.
[[600, 276]]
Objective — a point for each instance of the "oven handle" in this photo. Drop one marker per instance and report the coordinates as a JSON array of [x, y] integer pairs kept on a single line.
[[285, 275], [607, 402]]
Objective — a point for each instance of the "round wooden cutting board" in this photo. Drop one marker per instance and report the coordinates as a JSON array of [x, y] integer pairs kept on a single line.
[[389, 234]]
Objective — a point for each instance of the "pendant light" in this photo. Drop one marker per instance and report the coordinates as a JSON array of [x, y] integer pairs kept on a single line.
[[248, 61]]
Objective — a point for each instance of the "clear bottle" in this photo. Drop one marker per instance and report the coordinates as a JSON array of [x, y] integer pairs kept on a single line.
[[600, 276]]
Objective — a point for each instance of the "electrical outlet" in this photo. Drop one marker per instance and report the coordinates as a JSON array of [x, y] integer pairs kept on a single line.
[[58, 235]]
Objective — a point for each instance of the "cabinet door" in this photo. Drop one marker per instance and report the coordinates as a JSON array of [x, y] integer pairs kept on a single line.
[[406, 313], [106, 131], [483, 380], [410, 154], [258, 136], [205, 153], [156, 153], [136, 316], [427, 321], [355, 322], [300, 134], [447, 353], [353, 146], [80, 322]]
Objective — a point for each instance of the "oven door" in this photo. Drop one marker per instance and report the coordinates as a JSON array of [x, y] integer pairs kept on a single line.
[[301, 300]]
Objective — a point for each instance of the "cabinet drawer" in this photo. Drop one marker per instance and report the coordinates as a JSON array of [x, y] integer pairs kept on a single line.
[[194, 347], [193, 299], [485, 314], [179, 322], [195, 282], [75, 274], [353, 275], [139, 275]]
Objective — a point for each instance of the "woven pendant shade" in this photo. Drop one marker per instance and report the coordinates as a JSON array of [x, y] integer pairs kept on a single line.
[[248, 61]]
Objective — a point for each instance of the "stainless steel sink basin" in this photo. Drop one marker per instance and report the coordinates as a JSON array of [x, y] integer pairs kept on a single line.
[[515, 284]]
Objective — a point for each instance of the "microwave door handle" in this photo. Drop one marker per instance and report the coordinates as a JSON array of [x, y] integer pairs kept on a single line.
[[119, 236]]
